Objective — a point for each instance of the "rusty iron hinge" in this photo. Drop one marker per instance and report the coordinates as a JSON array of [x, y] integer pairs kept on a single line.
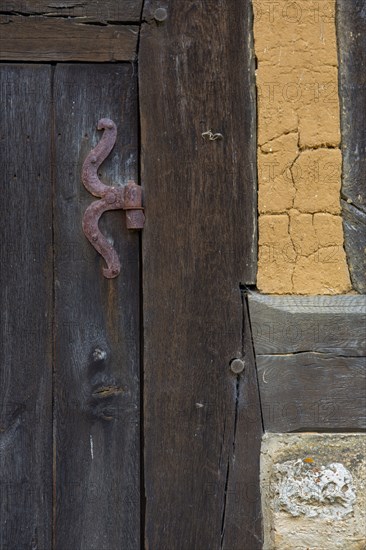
[[128, 198]]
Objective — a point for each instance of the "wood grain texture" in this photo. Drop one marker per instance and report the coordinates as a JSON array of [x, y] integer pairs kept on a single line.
[[292, 324], [87, 10], [312, 392], [351, 33], [97, 398], [58, 39], [26, 308], [354, 224], [310, 354], [242, 515], [199, 244]]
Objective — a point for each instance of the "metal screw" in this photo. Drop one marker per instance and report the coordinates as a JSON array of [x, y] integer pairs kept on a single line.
[[160, 15], [95, 237], [93, 160], [237, 366]]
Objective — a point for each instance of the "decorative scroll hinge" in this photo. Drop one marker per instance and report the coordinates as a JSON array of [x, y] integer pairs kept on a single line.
[[128, 198]]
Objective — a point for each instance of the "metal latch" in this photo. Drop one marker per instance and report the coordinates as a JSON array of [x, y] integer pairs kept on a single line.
[[128, 198]]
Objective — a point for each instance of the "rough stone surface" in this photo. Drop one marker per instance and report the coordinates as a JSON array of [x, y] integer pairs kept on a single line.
[[325, 492], [299, 157], [314, 491]]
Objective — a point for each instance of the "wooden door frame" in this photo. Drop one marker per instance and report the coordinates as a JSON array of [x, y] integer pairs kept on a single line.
[[202, 421]]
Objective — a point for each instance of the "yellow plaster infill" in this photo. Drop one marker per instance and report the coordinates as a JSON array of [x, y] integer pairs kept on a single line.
[[299, 158]]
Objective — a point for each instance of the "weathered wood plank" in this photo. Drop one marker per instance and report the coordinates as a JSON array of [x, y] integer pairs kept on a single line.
[[312, 392], [351, 33], [97, 333], [310, 354], [199, 243], [354, 223], [26, 308], [292, 324], [88, 10], [242, 516], [42, 39]]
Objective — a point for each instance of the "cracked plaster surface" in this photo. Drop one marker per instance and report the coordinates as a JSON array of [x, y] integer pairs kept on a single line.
[[299, 159]]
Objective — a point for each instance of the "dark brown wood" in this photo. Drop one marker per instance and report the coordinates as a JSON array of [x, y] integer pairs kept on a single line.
[[242, 517], [56, 39], [293, 324], [26, 308], [97, 335], [117, 11], [354, 223], [199, 244], [351, 32], [310, 354], [312, 392]]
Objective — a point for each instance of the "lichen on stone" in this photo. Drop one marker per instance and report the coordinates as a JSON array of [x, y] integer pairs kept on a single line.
[[311, 490]]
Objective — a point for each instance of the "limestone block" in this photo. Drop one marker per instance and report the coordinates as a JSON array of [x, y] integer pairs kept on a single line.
[[314, 491]]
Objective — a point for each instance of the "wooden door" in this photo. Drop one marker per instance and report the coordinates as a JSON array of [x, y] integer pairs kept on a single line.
[[130, 415], [70, 441]]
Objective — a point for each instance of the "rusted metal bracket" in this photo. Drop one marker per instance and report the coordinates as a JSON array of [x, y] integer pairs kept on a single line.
[[128, 197]]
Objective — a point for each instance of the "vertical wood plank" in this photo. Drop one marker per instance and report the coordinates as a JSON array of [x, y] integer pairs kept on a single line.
[[199, 244], [351, 33], [97, 332], [242, 525], [26, 308]]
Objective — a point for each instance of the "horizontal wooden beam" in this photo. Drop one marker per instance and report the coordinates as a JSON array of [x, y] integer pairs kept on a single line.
[[310, 356], [89, 10], [59, 39], [312, 392], [293, 324]]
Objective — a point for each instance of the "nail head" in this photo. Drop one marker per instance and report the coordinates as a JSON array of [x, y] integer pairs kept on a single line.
[[160, 15], [237, 366]]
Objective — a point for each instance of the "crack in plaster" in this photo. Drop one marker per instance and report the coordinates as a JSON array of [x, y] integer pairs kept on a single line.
[[302, 54]]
